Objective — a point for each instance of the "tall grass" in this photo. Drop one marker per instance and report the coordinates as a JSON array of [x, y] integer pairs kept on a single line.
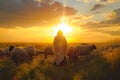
[[7, 70], [103, 65]]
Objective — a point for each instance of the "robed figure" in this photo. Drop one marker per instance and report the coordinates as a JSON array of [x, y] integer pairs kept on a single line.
[[60, 46]]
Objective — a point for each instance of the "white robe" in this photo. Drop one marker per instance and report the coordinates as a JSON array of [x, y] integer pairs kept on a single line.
[[60, 46]]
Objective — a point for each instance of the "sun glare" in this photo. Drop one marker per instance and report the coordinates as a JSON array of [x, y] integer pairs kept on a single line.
[[64, 28]]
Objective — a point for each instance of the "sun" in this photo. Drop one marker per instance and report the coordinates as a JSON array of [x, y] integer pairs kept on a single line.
[[64, 28]]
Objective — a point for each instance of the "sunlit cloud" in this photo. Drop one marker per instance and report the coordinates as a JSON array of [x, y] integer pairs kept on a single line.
[[39, 0], [97, 6], [113, 17], [110, 15], [86, 1], [109, 1], [28, 13], [80, 19]]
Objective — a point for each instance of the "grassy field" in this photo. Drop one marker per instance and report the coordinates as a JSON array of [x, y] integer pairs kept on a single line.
[[103, 64]]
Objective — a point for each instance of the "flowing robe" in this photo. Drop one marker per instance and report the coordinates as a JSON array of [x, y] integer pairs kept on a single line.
[[60, 46]]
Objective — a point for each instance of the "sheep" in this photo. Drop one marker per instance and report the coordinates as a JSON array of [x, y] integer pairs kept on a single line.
[[31, 51], [23, 54], [2, 52], [48, 51], [19, 55], [83, 50]]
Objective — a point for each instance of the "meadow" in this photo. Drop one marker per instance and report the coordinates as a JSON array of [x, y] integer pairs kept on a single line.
[[102, 64]]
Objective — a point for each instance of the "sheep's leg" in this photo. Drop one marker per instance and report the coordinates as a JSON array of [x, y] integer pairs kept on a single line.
[[45, 56], [82, 58]]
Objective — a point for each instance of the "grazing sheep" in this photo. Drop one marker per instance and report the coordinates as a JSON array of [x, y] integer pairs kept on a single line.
[[71, 54], [8, 50], [48, 51], [31, 51], [19, 55], [2, 52], [24, 54], [83, 50]]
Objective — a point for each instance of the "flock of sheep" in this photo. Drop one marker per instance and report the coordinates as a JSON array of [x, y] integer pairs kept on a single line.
[[26, 53]]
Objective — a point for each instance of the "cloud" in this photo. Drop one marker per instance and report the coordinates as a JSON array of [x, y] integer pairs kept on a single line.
[[79, 20], [114, 31], [112, 19], [97, 6], [86, 1], [108, 1], [110, 15], [104, 1], [27, 13]]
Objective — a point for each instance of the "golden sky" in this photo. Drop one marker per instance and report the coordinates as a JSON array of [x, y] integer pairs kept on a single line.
[[39, 20], [47, 34]]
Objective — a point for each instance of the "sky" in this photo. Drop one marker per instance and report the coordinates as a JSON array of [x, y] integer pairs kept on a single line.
[[37, 20]]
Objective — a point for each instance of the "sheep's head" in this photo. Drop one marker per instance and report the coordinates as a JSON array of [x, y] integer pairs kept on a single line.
[[94, 47], [11, 47]]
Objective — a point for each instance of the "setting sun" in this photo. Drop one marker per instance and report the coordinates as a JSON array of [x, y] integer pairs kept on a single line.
[[63, 27]]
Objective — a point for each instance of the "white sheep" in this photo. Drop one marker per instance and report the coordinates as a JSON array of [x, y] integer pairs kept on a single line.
[[23, 54], [83, 50], [31, 51], [19, 55]]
